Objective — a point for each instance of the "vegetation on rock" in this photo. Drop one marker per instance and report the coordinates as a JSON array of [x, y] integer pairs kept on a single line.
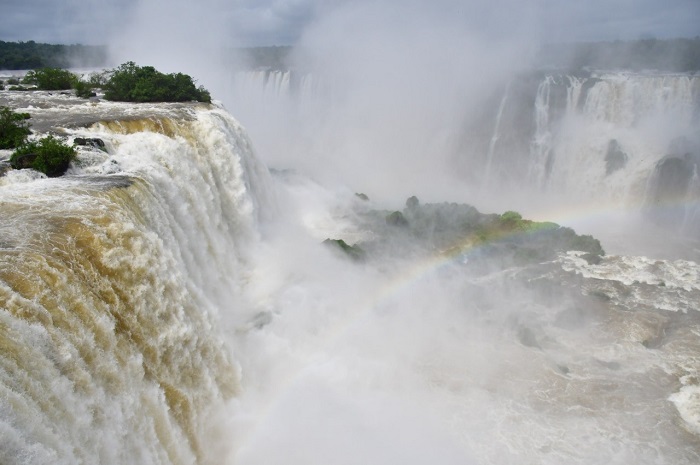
[[51, 79], [459, 230], [132, 83], [48, 155], [14, 128], [352, 251], [396, 219]]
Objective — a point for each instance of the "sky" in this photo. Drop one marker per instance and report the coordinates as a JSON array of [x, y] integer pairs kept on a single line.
[[283, 22]]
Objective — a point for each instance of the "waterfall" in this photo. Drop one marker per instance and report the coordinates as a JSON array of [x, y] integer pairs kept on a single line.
[[691, 217], [586, 139], [112, 280], [160, 304], [494, 139], [541, 145]]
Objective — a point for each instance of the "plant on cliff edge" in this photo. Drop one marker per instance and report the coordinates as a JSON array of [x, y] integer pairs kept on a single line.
[[48, 155]]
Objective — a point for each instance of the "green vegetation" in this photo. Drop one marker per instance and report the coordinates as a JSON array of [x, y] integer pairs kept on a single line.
[[86, 89], [396, 219], [352, 251], [14, 128], [51, 79], [126, 83], [48, 155], [511, 217], [32, 55], [83, 89], [132, 83]]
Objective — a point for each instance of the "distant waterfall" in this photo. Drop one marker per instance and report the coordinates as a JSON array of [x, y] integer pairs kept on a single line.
[[273, 86], [585, 138], [111, 284], [494, 138], [541, 146], [574, 139]]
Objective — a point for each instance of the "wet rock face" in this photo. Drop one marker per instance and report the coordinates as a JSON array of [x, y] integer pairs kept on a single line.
[[673, 176], [25, 161], [674, 186], [92, 142], [615, 157]]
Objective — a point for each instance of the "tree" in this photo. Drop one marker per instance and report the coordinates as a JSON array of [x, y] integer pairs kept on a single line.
[[132, 83], [48, 155], [14, 128], [51, 78]]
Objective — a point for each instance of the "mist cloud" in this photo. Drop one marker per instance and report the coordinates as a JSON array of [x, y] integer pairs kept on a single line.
[[396, 81]]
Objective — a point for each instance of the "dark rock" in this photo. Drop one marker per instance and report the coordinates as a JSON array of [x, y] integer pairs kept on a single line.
[[671, 188], [526, 337], [90, 142], [563, 369], [352, 251], [396, 219], [4, 168], [24, 161], [592, 259], [615, 157], [362, 196]]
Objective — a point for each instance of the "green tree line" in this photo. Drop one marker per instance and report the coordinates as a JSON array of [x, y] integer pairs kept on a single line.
[[32, 55]]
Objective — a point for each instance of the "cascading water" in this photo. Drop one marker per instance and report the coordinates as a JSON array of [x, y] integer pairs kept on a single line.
[[542, 140], [552, 134], [494, 139], [111, 284], [642, 114], [171, 302]]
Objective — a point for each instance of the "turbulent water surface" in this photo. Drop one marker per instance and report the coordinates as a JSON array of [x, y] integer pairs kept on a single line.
[[169, 300]]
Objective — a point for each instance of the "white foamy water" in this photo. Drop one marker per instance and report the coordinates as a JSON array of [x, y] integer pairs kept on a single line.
[[171, 302], [113, 278]]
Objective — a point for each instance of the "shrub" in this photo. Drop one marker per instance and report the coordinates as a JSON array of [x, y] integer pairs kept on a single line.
[[86, 89], [14, 128], [98, 79], [511, 216], [132, 83], [51, 78], [83, 89], [48, 155]]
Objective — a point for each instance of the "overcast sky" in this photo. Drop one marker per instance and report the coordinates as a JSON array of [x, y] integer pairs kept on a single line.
[[283, 22]]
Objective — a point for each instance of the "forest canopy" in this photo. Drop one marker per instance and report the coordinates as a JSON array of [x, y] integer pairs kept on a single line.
[[33, 55]]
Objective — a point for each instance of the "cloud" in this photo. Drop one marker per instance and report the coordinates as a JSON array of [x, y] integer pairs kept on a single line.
[[70, 21], [271, 22], [618, 19], [283, 22]]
